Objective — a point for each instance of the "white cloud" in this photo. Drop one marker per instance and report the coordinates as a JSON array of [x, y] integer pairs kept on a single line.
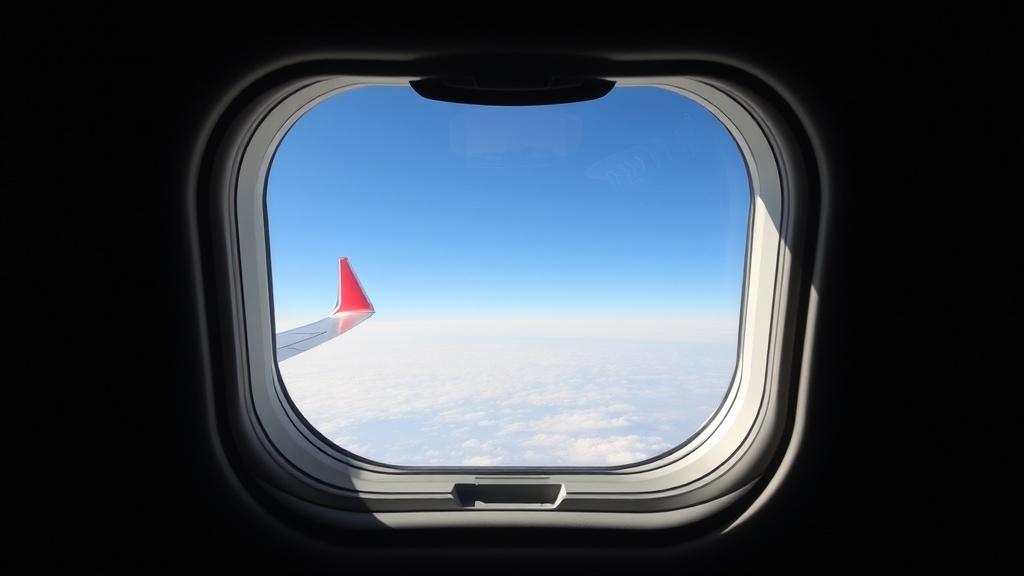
[[426, 393], [481, 461], [457, 416], [591, 450], [576, 421], [474, 444]]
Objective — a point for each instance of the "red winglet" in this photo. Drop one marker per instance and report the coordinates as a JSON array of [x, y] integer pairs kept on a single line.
[[351, 297]]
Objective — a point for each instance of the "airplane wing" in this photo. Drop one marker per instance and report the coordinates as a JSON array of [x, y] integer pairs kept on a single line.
[[352, 308]]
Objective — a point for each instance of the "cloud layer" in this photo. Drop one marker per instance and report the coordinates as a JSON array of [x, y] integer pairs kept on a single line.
[[514, 393]]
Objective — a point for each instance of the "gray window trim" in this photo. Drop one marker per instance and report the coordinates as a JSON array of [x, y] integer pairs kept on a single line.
[[710, 472]]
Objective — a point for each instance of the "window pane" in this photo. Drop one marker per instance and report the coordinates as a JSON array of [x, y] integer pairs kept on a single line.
[[553, 285]]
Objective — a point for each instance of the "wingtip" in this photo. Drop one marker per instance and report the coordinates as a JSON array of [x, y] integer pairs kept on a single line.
[[351, 296]]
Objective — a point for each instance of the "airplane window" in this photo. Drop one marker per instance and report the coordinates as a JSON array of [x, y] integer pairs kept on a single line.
[[465, 285]]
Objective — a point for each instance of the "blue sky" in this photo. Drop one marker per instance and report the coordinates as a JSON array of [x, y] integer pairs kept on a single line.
[[634, 205]]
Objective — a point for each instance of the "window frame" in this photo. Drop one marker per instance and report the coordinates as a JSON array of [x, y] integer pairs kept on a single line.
[[707, 474]]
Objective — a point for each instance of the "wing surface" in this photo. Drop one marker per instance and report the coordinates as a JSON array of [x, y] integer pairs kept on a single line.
[[351, 309]]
